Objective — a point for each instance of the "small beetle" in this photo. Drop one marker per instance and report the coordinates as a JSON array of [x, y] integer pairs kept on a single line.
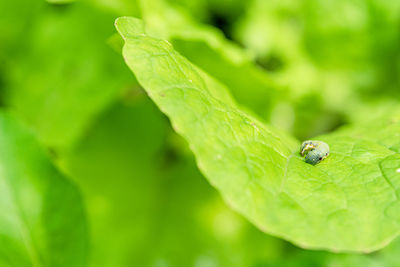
[[315, 151]]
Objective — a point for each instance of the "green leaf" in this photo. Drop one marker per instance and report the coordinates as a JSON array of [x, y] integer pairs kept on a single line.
[[348, 202], [42, 220]]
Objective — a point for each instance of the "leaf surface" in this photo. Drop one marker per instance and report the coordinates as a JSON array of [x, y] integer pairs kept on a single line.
[[348, 202]]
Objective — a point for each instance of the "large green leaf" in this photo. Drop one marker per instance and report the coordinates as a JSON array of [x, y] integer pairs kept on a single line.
[[42, 220], [347, 202]]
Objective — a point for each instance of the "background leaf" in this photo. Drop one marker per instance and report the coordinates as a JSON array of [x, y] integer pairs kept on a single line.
[[43, 222]]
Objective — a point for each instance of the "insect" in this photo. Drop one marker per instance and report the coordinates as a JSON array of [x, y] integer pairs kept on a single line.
[[315, 151]]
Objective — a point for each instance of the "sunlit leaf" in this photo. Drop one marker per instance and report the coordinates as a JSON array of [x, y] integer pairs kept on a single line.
[[347, 202]]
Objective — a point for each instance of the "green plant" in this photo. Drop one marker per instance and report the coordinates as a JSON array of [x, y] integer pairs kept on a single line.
[[194, 160]]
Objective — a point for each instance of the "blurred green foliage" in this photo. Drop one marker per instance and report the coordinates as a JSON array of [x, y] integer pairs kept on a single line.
[[35, 200], [306, 66]]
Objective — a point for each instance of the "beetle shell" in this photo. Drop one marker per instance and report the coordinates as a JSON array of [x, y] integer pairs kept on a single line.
[[315, 151]]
